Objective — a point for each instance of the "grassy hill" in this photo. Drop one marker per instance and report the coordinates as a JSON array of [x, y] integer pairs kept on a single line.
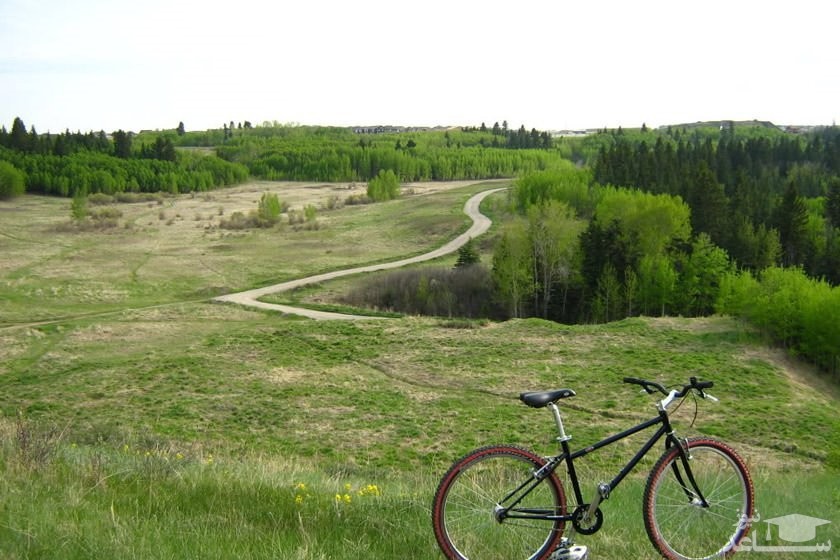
[[165, 426]]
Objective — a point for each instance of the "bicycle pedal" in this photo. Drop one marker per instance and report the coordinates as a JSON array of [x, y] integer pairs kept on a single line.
[[578, 552]]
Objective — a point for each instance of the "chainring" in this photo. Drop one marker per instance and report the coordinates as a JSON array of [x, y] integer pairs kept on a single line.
[[591, 525]]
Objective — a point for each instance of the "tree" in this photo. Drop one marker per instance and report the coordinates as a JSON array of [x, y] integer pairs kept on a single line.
[[791, 219], [163, 149], [269, 209], [656, 221], [467, 255], [708, 204], [606, 245], [181, 130], [512, 269], [385, 186], [700, 281], [832, 202], [12, 181], [607, 306], [657, 279], [78, 206], [122, 144], [553, 232], [19, 138]]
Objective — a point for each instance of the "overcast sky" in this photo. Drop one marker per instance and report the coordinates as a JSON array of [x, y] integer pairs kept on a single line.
[[115, 64]]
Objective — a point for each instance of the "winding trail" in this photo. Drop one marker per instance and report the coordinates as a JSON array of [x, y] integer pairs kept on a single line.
[[250, 298]]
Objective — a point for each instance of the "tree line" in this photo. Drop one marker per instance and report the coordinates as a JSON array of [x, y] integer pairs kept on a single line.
[[337, 154], [576, 251], [67, 164], [766, 200]]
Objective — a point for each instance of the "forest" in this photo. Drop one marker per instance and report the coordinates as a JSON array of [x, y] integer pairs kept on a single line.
[[691, 221], [70, 164], [339, 154], [672, 222]]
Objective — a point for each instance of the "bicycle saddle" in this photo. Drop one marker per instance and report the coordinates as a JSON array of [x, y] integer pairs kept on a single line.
[[540, 399]]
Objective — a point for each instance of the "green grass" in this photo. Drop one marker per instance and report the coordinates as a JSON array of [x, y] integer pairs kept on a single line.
[[51, 272], [143, 500], [171, 427]]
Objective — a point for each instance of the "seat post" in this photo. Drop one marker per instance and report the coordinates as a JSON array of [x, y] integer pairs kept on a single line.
[[559, 421]]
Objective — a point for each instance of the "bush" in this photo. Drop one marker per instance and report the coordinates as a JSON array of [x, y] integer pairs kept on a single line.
[[237, 220], [355, 199], [461, 292], [100, 199], [384, 186], [799, 312], [12, 181], [269, 209], [105, 217]]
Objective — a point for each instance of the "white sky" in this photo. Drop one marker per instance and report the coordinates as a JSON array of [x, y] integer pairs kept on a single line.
[[116, 64]]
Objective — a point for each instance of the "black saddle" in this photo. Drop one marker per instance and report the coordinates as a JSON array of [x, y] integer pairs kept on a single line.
[[540, 399]]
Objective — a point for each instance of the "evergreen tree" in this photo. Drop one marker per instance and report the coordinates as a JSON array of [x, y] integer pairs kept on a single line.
[[832, 202], [19, 138], [181, 130], [122, 144], [467, 255], [791, 220], [708, 204]]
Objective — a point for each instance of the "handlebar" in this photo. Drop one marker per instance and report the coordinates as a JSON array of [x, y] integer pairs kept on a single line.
[[651, 386]]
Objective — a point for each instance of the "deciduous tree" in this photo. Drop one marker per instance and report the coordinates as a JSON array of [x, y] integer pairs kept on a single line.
[[12, 181]]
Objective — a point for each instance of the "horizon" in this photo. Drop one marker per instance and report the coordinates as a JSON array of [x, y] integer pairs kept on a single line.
[[489, 125], [116, 65]]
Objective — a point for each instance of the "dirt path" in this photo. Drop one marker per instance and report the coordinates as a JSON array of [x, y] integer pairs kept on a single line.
[[250, 298]]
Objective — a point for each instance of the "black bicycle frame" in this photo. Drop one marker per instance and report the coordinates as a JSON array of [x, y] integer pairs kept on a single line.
[[509, 512]]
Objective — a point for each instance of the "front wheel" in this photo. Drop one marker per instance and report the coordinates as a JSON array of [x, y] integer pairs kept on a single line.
[[683, 525], [490, 506]]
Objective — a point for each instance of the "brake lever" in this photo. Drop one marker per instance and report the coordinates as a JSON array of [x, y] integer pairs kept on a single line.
[[706, 395]]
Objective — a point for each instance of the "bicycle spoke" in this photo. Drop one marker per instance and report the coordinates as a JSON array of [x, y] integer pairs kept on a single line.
[[683, 528], [465, 518]]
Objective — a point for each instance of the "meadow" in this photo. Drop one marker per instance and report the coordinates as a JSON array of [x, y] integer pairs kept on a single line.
[[140, 420]]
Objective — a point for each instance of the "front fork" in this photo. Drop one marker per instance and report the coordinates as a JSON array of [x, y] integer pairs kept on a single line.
[[691, 489]]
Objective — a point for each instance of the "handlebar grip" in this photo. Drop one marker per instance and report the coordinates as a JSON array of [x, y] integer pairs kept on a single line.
[[633, 380], [701, 384]]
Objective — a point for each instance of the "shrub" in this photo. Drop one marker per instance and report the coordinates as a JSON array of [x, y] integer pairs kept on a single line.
[[12, 181], [100, 199], [355, 199], [461, 292], [385, 186], [269, 209]]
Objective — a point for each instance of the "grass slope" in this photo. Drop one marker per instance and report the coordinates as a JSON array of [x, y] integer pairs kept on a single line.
[[191, 430]]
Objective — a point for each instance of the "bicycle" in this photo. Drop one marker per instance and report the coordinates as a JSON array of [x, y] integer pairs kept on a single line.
[[502, 501]]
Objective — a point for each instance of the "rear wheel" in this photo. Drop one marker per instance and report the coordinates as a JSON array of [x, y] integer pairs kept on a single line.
[[678, 523], [468, 512]]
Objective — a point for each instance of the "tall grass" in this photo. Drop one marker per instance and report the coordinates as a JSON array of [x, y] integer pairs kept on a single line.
[[152, 501]]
